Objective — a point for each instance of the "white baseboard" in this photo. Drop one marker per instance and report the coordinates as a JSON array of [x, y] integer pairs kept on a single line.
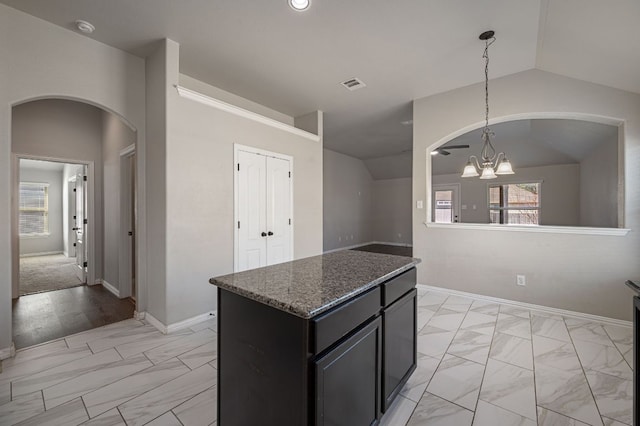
[[557, 311], [111, 288], [9, 352], [44, 253], [166, 329], [139, 315]]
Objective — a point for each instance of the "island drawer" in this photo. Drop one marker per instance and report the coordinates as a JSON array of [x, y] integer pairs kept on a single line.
[[396, 287], [333, 325]]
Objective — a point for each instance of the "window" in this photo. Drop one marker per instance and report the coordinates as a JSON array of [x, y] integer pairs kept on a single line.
[[34, 208], [515, 203]]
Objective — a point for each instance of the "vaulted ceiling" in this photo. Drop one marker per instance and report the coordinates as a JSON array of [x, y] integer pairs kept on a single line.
[[294, 62]]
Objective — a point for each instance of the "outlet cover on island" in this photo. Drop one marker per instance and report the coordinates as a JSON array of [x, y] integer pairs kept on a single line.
[[521, 280]]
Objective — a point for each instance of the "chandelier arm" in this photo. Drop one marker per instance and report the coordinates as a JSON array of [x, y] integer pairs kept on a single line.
[[499, 159], [476, 164]]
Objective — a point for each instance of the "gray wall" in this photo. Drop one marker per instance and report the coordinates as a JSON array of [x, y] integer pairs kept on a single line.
[[66, 130], [560, 193], [391, 210], [115, 136], [348, 201], [53, 241], [49, 61], [584, 273], [599, 187]]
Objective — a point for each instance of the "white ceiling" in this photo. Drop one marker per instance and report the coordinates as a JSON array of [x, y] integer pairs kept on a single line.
[[530, 143], [293, 62]]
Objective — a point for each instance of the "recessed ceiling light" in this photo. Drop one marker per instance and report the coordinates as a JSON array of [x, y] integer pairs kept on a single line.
[[406, 122], [85, 27], [299, 5]]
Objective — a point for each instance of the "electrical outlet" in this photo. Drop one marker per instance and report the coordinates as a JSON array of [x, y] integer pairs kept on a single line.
[[521, 280], [339, 239], [399, 235]]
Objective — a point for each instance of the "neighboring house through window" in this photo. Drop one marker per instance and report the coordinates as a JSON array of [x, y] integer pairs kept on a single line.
[[34, 208], [515, 203]]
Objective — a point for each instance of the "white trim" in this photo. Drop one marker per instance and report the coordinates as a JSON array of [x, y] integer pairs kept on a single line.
[[541, 308], [543, 229], [236, 196], [126, 249], [166, 329], [9, 352], [111, 288], [43, 253], [216, 103], [131, 149], [139, 315]]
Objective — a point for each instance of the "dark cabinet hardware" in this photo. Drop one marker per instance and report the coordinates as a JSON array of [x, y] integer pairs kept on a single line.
[[130, 233], [75, 229], [264, 234], [269, 233]]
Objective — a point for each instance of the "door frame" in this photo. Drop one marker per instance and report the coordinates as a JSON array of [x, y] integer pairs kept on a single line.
[[126, 249], [236, 196], [455, 187], [15, 214]]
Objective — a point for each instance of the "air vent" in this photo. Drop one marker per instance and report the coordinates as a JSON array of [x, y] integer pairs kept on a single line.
[[353, 84]]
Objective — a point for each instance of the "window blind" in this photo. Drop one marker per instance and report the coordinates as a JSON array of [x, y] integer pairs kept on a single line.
[[34, 208]]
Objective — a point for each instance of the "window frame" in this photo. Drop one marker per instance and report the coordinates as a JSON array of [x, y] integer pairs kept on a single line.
[[503, 209], [44, 210]]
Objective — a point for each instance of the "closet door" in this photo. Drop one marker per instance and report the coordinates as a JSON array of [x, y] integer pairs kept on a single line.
[[252, 215], [278, 210]]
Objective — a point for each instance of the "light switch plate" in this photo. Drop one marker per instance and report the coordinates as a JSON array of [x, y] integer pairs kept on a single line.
[[419, 204]]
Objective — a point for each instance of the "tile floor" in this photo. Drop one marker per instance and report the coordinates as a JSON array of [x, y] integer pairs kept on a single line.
[[479, 363]]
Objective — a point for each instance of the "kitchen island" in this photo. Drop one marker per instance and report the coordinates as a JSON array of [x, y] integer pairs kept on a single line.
[[328, 339]]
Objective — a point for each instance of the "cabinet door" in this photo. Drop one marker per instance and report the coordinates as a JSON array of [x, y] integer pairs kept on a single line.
[[399, 346], [348, 380]]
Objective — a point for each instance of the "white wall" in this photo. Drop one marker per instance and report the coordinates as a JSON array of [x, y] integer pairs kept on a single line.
[[392, 211], [115, 137], [53, 242], [39, 60], [599, 187], [348, 193], [583, 273], [559, 193], [199, 196]]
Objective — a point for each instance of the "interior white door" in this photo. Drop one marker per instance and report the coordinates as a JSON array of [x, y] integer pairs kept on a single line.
[[71, 249], [278, 210], [251, 215], [446, 203], [80, 226]]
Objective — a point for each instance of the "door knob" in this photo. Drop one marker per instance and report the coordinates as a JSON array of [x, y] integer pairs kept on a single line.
[[264, 234], [75, 229], [270, 233]]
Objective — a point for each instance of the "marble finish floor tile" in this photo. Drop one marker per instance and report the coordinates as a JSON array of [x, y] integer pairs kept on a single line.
[[480, 323], [85, 383], [123, 390], [434, 341], [471, 346], [150, 405], [121, 337], [509, 387], [490, 415], [485, 307], [550, 418], [547, 314], [567, 393], [548, 327], [211, 324], [21, 408], [432, 299], [614, 396], [588, 331], [167, 419], [5, 392], [457, 380], [417, 383], [619, 334], [399, 412], [199, 410], [555, 354], [180, 346], [447, 319], [513, 325], [424, 315], [110, 418], [153, 340], [457, 303], [81, 339], [512, 350], [610, 422], [605, 359], [201, 355], [515, 311], [436, 411], [51, 360], [35, 352], [62, 373], [71, 413]]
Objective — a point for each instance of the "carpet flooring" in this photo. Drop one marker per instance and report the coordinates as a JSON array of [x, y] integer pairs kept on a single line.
[[47, 273]]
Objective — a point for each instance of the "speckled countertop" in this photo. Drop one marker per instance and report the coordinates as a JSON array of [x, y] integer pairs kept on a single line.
[[310, 286]]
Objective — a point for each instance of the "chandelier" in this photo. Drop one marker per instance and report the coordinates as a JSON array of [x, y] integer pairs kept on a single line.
[[491, 163]]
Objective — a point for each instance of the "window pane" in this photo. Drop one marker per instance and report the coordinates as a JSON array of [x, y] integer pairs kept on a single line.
[[494, 216], [443, 206], [522, 217], [523, 195], [494, 196]]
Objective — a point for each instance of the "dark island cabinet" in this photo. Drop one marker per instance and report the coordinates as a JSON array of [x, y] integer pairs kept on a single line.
[[344, 366]]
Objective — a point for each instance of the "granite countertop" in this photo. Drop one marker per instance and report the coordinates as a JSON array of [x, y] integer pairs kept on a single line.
[[310, 286]]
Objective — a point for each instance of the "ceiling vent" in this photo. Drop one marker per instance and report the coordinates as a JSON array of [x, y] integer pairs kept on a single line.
[[353, 84]]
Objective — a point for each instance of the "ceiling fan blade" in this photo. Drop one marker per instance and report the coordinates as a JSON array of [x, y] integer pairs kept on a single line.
[[455, 146], [443, 152]]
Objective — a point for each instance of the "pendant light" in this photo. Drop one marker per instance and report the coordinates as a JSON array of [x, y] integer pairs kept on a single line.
[[492, 164]]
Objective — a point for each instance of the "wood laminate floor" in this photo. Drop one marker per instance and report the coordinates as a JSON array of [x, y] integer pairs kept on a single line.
[[42, 317]]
